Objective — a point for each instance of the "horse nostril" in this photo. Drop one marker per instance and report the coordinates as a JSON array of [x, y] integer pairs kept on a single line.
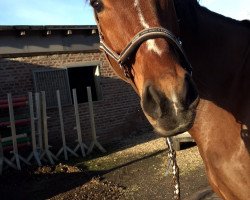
[[190, 92], [151, 102]]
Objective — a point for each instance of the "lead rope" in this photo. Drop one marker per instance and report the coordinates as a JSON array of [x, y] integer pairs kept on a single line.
[[175, 169]]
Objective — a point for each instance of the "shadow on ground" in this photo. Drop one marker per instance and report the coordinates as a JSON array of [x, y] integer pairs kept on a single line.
[[137, 175]]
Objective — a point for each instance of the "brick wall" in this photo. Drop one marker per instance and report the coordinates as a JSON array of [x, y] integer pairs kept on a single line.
[[117, 114]]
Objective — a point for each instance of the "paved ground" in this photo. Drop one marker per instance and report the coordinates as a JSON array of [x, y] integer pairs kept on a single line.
[[133, 169]]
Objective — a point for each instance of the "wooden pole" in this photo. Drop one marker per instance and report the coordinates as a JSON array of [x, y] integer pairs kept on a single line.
[[80, 144], [34, 152], [62, 125], [13, 131], [46, 152], [45, 121], [64, 148], [92, 120]]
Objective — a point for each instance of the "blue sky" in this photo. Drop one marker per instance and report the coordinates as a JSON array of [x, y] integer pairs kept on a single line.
[[77, 12]]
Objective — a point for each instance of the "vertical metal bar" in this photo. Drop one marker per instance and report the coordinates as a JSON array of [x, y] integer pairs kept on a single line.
[[45, 123], [32, 122], [39, 120]]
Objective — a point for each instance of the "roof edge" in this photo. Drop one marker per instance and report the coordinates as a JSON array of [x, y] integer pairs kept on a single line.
[[48, 27]]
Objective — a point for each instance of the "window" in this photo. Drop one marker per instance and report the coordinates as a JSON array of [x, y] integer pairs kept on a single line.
[[78, 76], [51, 80]]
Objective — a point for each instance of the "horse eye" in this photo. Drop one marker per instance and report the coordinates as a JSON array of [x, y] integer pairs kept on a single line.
[[97, 5]]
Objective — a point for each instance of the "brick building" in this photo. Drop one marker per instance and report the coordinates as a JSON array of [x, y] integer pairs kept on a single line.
[[47, 58]]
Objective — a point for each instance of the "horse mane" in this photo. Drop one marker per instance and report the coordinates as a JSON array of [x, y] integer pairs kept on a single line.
[[246, 22], [188, 9], [226, 19]]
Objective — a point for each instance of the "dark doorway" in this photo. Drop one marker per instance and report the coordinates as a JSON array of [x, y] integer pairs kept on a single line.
[[80, 78]]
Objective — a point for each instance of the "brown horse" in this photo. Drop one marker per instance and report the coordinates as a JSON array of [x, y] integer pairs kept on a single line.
[[213, 103]]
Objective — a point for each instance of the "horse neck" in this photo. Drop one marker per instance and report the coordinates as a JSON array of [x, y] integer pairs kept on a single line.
[[214, 48], [218, 49]]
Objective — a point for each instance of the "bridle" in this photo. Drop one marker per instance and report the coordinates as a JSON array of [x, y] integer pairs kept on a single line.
[[122, 60], [144, 35]]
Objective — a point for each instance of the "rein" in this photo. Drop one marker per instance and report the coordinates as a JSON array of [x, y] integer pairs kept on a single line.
[[122, 60], [175, 169]]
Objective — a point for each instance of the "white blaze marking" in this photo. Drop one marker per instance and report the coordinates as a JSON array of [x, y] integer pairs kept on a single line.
[[175, 101], [151, 44]]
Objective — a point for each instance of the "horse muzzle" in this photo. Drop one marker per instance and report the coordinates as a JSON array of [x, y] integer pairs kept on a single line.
[[170, 115]]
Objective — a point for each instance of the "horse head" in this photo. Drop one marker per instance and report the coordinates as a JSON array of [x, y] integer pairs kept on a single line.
[[138, 38]]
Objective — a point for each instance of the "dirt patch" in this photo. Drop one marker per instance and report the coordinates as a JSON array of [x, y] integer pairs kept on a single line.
[[134, 170], [94, 189]]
